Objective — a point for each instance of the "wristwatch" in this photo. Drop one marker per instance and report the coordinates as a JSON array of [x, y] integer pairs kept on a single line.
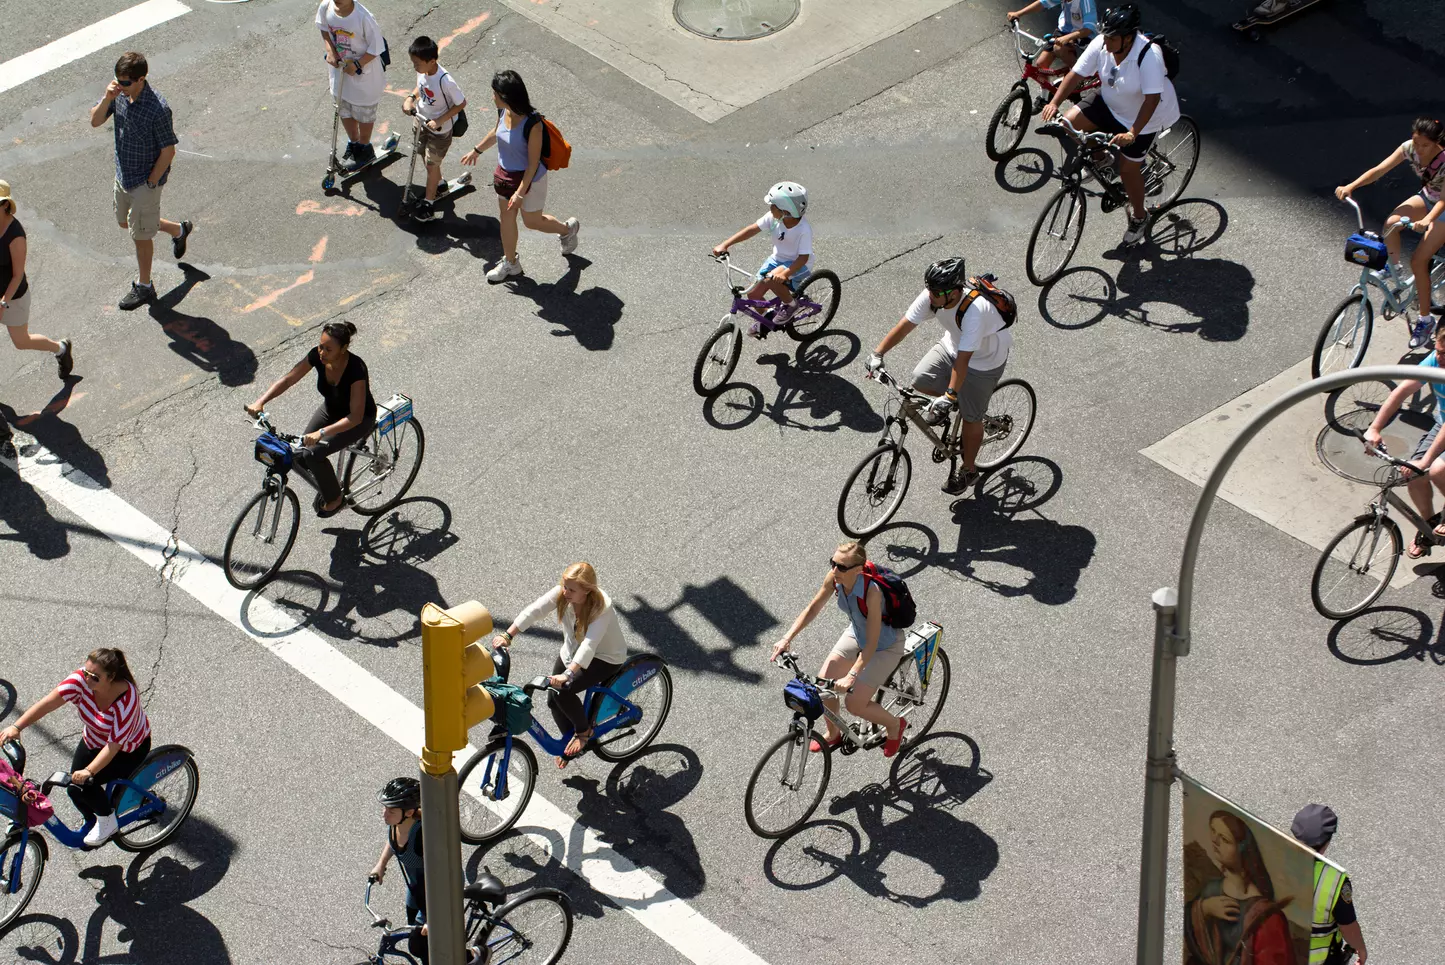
[[320, 435], [4, 303]]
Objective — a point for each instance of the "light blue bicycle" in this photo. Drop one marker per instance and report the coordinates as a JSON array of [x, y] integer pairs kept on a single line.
[[1346, 335]]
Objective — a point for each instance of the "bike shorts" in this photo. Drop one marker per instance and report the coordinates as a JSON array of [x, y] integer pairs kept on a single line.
[[876, 671], [795, 282], [1097, 113]]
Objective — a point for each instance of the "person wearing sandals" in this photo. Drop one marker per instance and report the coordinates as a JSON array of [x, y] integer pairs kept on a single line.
[[593, 648], [1427, 456], [346, 416], [521, 178], [865, 655]]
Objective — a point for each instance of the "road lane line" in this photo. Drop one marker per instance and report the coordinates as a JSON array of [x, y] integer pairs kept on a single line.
[[88, 40], [608, 872]]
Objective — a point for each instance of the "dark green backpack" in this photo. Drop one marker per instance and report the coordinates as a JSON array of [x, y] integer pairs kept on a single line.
[[513, 705]]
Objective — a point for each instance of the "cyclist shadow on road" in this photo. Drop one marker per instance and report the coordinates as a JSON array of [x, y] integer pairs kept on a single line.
[[590, 316], [920, 806], [148, 901], [812, 394], [1390, 634], [725, 605], [201, 341]]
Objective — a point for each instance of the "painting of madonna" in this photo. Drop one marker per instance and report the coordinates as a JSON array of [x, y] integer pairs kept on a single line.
[[1235, 917]]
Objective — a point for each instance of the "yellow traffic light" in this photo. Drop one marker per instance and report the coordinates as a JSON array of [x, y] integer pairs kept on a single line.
[[453, 667]]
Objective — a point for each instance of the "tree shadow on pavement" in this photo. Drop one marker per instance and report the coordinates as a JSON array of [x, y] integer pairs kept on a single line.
[[1389, 634], [812, 394], [61, 438], [726, 606], [201, 341], [919, 808], [590, 316]]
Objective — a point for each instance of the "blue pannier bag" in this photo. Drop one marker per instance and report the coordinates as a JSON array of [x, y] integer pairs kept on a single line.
[[273, 453], [803, 698], [1366, 248]]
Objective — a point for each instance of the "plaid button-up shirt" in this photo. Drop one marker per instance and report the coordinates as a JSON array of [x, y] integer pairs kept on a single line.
[[142, 131]]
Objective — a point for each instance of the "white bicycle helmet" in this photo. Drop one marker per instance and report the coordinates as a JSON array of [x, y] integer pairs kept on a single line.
[[791, 196]]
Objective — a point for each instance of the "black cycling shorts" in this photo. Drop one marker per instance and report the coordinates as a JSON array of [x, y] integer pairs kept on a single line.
[[1092, 106]]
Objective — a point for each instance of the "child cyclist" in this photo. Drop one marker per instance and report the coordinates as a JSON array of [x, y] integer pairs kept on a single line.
[[1078, 22], [435, 101], [790, 263]]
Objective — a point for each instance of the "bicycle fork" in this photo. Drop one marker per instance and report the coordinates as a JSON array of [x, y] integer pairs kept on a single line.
[[273, 501], [793, 748]]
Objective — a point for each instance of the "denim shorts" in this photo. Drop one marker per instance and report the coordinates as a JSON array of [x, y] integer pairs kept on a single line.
[[794, 282]]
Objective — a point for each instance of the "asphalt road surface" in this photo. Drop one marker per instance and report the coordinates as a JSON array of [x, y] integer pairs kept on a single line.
[[562, 425]]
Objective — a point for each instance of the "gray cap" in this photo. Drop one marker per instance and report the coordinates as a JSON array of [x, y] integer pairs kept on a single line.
[[1314, 825]]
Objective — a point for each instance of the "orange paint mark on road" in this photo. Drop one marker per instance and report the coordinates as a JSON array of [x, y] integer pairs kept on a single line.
[[54, 408], [397, 91], [465, 28], [382, 128], [319, 251], [314, 207], [268, 299]]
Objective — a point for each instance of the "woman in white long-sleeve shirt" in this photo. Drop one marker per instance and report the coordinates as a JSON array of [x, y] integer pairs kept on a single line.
[[592, 647]]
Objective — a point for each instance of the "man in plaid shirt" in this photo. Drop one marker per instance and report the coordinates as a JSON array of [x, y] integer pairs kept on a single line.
[[145, 145]]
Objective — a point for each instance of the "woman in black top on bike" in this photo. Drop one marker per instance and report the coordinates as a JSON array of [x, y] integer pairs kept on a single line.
[[345, 417]]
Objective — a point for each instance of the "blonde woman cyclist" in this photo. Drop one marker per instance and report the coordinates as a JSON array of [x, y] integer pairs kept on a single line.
[[593, 648]]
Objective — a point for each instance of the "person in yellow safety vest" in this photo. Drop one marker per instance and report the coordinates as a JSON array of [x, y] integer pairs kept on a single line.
[[1334, 907]]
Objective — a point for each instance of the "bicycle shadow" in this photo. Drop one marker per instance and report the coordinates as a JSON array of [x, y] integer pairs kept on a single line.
[[811, 394], [1024, 170], [1389, 634], [927, 786], [726, 607], [40, 938]]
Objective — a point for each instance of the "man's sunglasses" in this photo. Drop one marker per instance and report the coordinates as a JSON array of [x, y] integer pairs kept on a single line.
[[124, 83]]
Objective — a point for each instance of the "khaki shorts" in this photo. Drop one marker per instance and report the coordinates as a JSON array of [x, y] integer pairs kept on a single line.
[[876, 671], [360, 113], [936, 368], [434, 146], [139, 209], [19, 311]]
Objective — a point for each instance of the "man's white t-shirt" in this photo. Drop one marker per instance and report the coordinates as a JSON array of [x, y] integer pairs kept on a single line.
[[983, 332], [1124, 91], [788, 243], [355, 36], [439, 94]]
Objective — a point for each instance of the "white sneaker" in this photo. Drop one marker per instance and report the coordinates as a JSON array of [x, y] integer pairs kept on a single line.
[[505, 269], [105, 826], [569, 240], [1271, 8], [1136, 231]]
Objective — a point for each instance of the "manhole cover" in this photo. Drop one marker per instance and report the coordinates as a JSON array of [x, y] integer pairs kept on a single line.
[[735, 19]]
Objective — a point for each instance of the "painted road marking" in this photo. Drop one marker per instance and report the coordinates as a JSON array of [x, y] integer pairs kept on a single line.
[[87, 40], [609, 873]]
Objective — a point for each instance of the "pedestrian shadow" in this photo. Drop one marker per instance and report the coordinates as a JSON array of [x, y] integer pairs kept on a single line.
[[811, 395], [915, 815], [1024, 170], [43, 939], [148, 901], [62, 439], [727, 607], [1389, 634], [25, 513], [590, 316], [199, 340]]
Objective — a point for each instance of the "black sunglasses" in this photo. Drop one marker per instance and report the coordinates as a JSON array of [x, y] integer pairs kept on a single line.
[[841, 566], [124, 83], [1113, 76]]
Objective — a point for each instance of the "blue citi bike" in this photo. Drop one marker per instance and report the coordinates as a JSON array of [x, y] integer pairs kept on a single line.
[[625, 713], [150, 807]]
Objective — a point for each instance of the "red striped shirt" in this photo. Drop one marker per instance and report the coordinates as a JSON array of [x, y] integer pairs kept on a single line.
[[123, 722]]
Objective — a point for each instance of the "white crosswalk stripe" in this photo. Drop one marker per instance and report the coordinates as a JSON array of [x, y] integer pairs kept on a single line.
[[87, 40]]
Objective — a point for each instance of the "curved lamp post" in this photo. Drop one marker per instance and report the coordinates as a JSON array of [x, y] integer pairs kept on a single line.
[[1171, 641]]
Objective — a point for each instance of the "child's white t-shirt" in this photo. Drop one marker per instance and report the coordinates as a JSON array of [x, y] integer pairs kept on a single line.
[[355, 36], [439, 94], [788, 243]]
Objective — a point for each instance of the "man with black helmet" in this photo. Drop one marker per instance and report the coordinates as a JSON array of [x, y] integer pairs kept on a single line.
[[961, 370], [1334, 908]]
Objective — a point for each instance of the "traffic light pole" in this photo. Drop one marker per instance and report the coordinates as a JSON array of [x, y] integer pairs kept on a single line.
[[1171, 641], [440, 822]]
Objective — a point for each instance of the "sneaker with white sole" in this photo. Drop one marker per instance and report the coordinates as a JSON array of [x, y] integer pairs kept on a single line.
[[1136, 231], [504, 269], [569, 240], [100, 832], [65, 358]]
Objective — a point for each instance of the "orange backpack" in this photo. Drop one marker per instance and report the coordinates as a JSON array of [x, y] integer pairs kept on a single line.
[[556, 152]]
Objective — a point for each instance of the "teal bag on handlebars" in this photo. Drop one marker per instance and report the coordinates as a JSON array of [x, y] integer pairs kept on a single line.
[[513, 705]]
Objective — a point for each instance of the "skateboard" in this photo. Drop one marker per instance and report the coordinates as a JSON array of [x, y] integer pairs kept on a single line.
[[446, 191], [1250, 25]]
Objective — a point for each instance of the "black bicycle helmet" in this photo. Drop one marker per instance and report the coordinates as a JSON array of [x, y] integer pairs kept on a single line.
[[401, 792], [1315, 825], [946, 275], [1121, 20]]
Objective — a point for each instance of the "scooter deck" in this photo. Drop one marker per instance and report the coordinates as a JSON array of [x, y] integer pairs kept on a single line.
[[339, 175], [446, 191], [1250, 23]]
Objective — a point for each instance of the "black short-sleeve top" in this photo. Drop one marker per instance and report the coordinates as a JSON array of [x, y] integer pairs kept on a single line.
[[338, 396]]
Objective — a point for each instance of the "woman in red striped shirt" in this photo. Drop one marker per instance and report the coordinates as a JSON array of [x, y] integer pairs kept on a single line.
[[117, 734]]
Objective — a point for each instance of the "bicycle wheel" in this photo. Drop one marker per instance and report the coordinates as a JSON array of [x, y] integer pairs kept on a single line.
[[874, 490], [646, 682], [921, 705], [1006, 128], [824, 288], [374, 483], [1056, 235], [178, 784], [1171, 162], [718, 358], [1010, 418], [780, 796], [1356, 567], [531, 929], [483, 816], [261, 537], [1345, 337], [32, 869]]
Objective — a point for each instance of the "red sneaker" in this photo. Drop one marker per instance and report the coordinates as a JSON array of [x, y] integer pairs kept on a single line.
[[891, 745]]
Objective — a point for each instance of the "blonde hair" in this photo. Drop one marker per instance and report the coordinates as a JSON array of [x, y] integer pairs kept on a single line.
[[854, 551], [583, 616]]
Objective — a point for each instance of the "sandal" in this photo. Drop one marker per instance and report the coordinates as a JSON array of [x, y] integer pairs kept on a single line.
[[1417, 549], [579, 741]]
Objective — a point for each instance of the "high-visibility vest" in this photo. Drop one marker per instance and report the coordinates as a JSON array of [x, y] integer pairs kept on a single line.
[[1328, 882]]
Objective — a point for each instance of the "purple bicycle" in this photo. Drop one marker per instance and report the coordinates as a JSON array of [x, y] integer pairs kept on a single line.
[[817, 301]]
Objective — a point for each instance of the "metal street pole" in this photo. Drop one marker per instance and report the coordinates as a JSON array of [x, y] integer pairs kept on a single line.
[[1171, 641], [441, 823]]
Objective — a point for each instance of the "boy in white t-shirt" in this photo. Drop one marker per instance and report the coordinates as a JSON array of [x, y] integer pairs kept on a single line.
[[354, 44], [790, 263], [435, 101]]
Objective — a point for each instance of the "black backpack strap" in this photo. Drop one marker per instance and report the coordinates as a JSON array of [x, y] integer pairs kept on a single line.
[[532, 120], [1148, 42]]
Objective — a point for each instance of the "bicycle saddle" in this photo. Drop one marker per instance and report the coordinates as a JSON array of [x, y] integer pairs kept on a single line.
[[488, 889]]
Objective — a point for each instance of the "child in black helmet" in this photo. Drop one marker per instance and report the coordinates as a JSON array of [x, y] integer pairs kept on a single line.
[[401, 810]]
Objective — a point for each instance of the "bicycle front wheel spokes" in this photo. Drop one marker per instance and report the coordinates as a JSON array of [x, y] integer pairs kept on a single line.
[[1345, 336], [1006, 128], [533, 929], [919, 704], [718, 358], [874, 490], [1171, 162], [261, 537], [1355, 567], [377, 481], [13, 898], [819, 294], [1056, 235], [787, 785], [490, 805], [1010, 418]]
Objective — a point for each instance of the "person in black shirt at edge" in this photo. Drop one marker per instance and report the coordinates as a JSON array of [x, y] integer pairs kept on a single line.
[[1315, 826], [346, 416]]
